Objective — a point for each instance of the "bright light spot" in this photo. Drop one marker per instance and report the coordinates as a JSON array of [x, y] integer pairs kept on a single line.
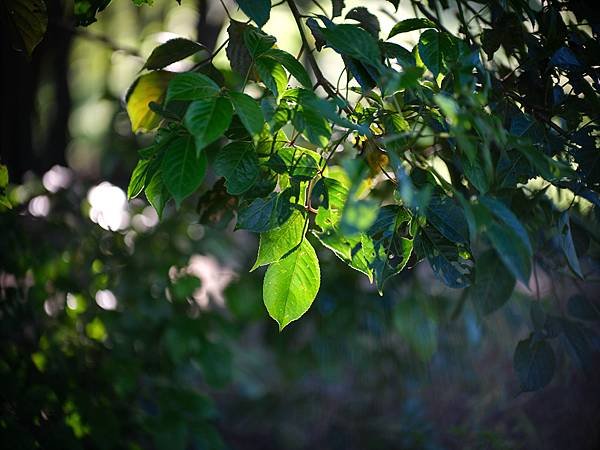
[[106, 299], [57, 178], [39, 206], [53, 305], [108, 206], [214, 278], [146, 220], [71, 301]]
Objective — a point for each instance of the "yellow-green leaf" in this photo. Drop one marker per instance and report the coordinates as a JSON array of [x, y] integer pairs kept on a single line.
[[147, 88]]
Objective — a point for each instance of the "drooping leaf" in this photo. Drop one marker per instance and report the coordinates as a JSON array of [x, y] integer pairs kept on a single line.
[[183, 168], [27, 23], [138, 179], [353, 41], [157, 193], [493, 284], [566, 243], [237, 51], [208, 119], [392, 245], [509, 238], [191, 86], [407, 25], [293, 66], [291, 285], [258, 10], [148, 88], [172, 51], [367, 20], [248, 111], [336, 8], [272, 74], [404, 57], [238, 164], [437, 50], [534, 363], [447, 216], [277, 242], [357, 251], [444, 257], [257, 42]]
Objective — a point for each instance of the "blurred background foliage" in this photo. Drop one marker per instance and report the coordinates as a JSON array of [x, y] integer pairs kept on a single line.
[[120, 331]]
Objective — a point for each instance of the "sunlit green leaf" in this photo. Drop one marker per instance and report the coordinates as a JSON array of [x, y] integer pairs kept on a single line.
[[277, 242], [291, 285]]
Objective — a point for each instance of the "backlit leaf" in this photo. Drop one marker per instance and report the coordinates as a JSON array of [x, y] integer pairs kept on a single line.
[[291, 285], [147, 88]]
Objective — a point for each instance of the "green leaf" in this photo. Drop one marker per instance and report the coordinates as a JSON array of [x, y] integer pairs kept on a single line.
[[138, 178], [353, 41], [437, 50], [3, 176], [493, 285], [191, 86], [404, 57], [276, 243], [444, 257], [336, 8], [367, 20], [157, 193], [208, 119], [313, 126], [148, 88], [292, 65], [183, 168], [291, 285], [238, 164], [237, 50], [392, 249], [272, 74], [28, 21], [566, 243], [171, 51], [534, 363], [257, 10], [297, 162], [248, 111], [257, 42], [407, 25], [264, 214], [509, 238], [447, 217]]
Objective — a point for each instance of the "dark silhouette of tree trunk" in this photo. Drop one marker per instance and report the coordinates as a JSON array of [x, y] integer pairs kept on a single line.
[[23, 77]]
